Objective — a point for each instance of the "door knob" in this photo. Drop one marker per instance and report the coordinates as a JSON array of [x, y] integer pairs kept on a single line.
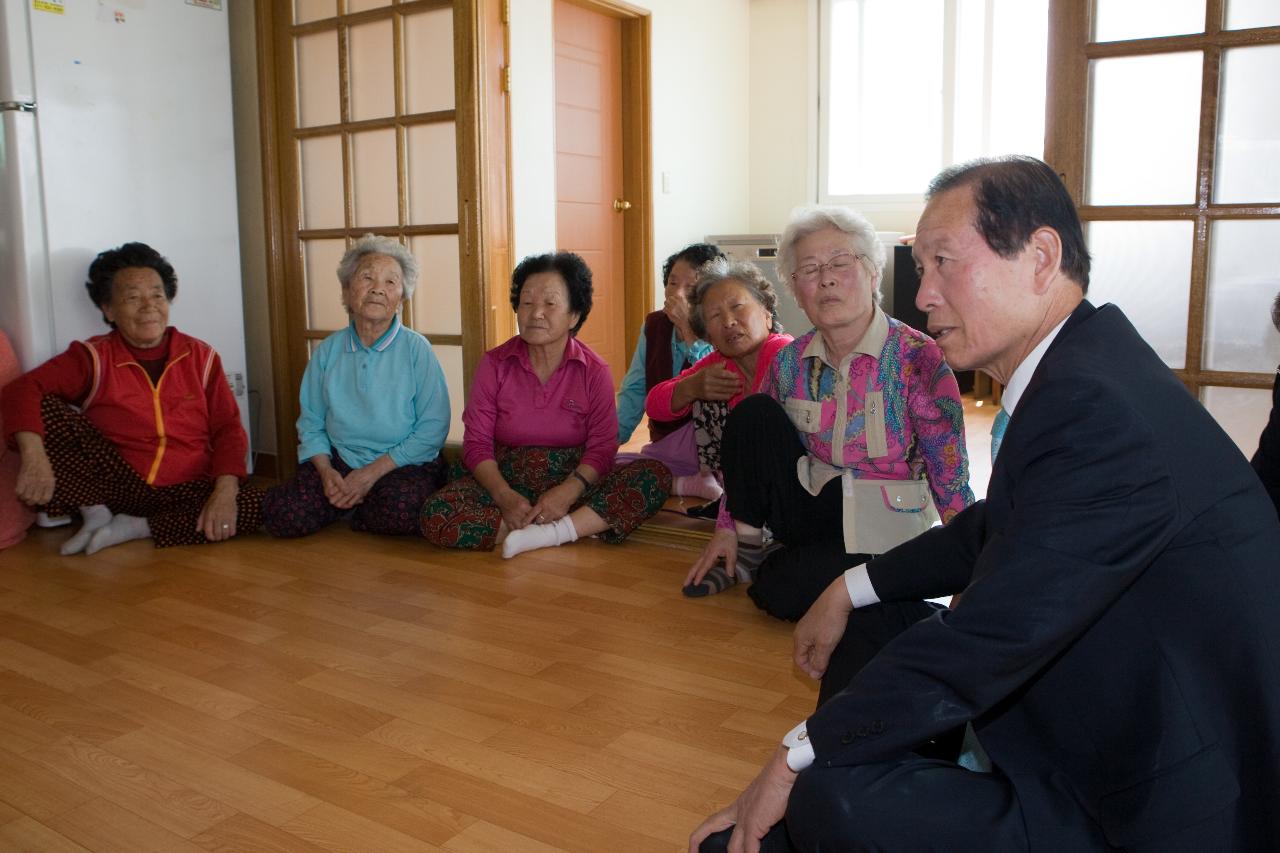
[[619, 205]]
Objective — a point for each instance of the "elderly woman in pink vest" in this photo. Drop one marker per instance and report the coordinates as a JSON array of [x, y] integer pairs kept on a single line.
[[137, 428]]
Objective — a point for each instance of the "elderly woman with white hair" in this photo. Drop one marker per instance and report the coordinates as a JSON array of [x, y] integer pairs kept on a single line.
[[857, 443], [375, 409]]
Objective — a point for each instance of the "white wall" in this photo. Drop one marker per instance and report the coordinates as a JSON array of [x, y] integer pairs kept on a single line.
[[701, 122], [784, 110]]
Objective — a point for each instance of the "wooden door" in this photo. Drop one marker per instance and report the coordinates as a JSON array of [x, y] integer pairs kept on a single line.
[[1165, 130], [371, 123], [589, 168]]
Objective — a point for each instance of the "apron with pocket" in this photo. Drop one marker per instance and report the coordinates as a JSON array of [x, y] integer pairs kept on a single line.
[[878, 514]]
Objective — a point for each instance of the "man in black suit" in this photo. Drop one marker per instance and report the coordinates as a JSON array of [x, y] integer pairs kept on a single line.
[[1117, 651], [1266, 461]]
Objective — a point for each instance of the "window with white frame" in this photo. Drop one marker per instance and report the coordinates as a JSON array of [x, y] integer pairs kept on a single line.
[[911, 86]]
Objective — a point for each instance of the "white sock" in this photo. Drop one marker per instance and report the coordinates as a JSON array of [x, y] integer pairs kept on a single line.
[[95, 517], [702, 485], [43, 519], [539, 536], [122, 528]]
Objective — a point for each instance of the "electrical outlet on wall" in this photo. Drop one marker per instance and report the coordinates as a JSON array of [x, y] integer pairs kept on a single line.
[[236, 381]]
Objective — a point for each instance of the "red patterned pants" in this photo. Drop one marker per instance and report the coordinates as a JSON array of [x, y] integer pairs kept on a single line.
[[464, 515]]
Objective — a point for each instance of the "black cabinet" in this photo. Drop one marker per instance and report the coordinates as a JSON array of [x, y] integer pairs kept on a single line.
[[905, 286]]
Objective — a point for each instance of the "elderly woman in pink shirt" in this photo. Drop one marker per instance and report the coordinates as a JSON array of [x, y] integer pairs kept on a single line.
[[542, 432]]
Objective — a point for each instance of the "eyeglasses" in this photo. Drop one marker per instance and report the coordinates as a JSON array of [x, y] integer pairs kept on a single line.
[[839, 265]]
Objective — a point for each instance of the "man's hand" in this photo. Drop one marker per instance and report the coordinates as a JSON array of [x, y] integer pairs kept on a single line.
[[817, 634], [756, 810], [723, 545]]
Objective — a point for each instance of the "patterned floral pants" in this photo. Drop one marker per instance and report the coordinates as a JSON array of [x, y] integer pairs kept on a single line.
[[88, 470], [464, 515], [298, 507]]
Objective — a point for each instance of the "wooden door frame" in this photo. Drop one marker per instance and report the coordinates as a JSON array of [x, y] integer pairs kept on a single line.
[[637, 162], [474, 122], [1071, 48], [285, 353]]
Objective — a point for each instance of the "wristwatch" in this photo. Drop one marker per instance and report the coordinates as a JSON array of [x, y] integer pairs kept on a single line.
[[799, 749]]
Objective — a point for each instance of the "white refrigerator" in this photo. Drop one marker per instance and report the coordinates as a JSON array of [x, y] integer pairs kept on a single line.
[[117, 127]]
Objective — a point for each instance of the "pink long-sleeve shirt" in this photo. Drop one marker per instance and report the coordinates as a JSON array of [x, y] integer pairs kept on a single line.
[[658, 404], [574, 408]]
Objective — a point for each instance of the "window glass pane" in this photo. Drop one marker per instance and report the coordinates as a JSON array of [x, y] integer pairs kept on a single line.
[[1249, 127], [999, 104], [317, 78], [313, 10], [376, 195], [1145, 269], [1020, 38], [1116, 20], [972, 129], [428, 61], [1244, 278], [437, 303], [364, 5], [884, 132], [324, 293], [451, 363], [1242, 412], [373, 88], [1244, 14], [433, 174], [1145, 129], [320, 170]]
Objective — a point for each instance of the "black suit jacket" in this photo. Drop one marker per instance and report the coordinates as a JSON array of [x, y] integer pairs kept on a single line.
[[1118, 646], [1267, 460]]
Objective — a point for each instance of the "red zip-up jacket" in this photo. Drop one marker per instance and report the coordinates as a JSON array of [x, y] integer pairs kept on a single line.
[[184, 427]]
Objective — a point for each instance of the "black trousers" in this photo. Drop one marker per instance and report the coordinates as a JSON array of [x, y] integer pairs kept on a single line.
[[868, 631], [758, 454]]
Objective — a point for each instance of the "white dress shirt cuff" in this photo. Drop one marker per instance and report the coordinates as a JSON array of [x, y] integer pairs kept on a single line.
[[858, 584], [799, 750]]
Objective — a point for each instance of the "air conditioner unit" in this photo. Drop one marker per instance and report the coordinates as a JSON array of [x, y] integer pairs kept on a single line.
[[762, 250]]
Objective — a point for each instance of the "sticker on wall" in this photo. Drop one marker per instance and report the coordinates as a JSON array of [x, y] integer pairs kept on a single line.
[[206, 4], [54, 6], [109, 14]]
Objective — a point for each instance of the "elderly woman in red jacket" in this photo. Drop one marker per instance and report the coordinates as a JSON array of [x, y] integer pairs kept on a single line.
[[156, 449]]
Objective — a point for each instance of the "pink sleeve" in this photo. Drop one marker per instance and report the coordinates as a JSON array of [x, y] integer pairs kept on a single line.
[[724, 521], [657, 405], [479, 416], [937, 418], [602, 419]]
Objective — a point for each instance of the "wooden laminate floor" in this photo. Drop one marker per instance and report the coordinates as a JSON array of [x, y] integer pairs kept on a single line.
[[348, 692], [355, 693]]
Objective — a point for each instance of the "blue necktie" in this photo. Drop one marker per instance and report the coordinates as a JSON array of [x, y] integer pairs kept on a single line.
[[998, 427]]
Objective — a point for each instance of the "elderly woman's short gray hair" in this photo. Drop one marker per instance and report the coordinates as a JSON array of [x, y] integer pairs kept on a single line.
[[372, 244], [745, 273], [813, 218]]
